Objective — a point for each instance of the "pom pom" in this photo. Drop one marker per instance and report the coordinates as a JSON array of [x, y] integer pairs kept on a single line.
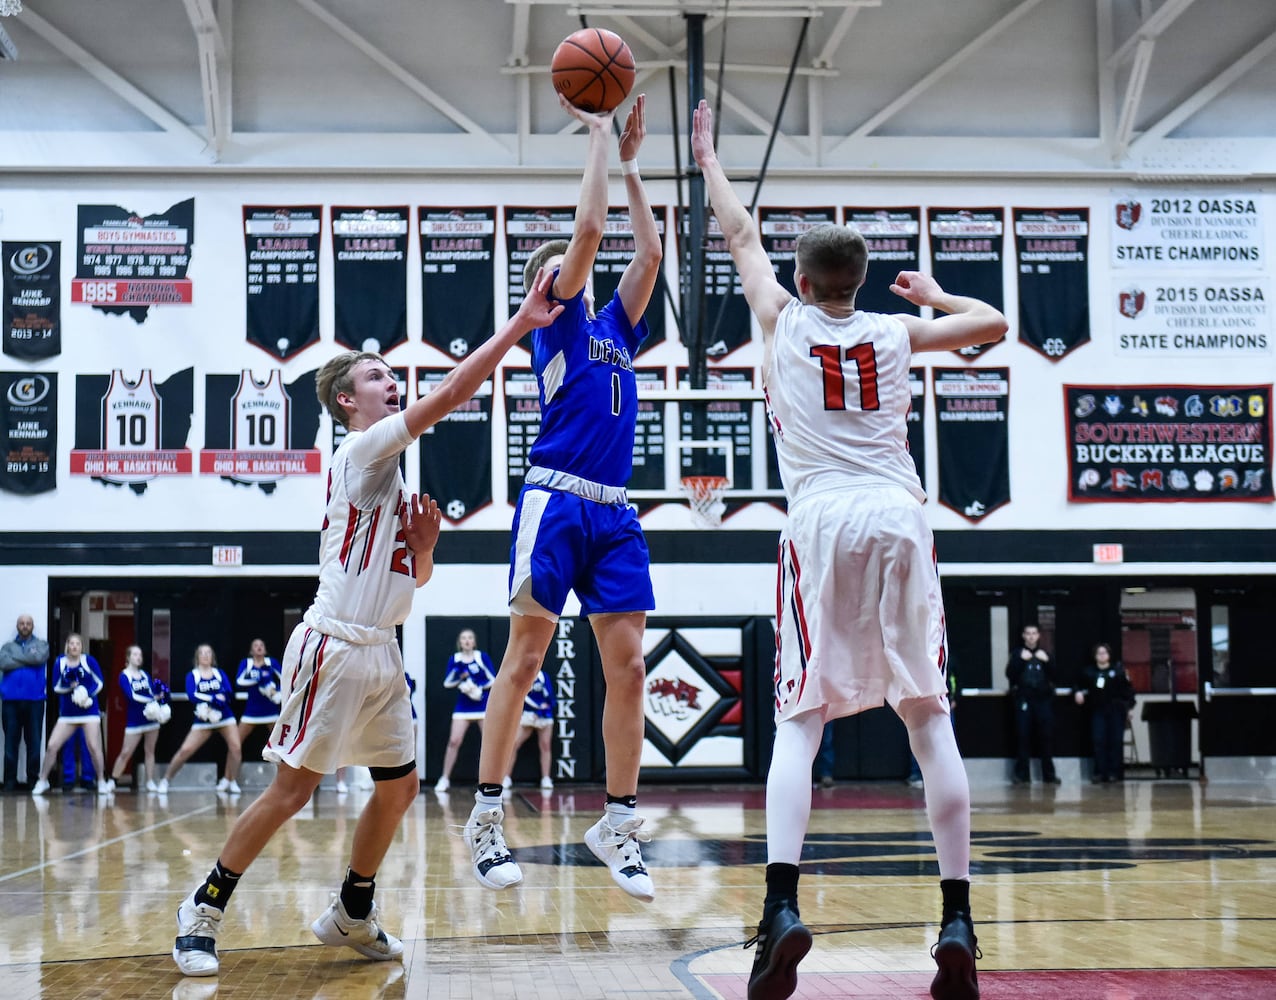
[[80, 696]]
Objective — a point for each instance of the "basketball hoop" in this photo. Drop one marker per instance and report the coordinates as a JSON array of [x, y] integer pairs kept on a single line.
[[10, 7], [704, 494]]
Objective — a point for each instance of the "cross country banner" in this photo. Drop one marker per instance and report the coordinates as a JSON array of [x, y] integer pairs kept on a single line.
[[281, 246], [370, 277], [1164, 315], [130, 431], [780, 229], [727, 321], [125, 263], [458, 270], [917, 421], [1215, 233], [614, 254], [972, 411], [522, 425], [456, 452], [32, 294], [893, 236], [966, 246], [259, 431], [1052, 251], [1160, 443], [29, 429], [525, 230]]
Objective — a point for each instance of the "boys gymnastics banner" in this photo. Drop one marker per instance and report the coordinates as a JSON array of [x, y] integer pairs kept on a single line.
[[370, 277], [458, 269]]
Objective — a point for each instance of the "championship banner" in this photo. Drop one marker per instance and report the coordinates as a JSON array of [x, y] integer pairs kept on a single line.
[[780, 229], [972, 408], [29, 425], [649, 432], [458, 269], [727, 321], [1193, 317], [260, 431], [370, 277], [522, 426], [893, 236], [1159, 443], [456, 452], [126, 263], [917, 421], [729, 421], [965, 254], [32, 294], [1052, 248], [1181, 231], [129, 432], [614, 255], [525, 230], [282, 247]]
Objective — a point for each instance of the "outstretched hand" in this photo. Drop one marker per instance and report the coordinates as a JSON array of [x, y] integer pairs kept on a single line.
[[537, 310], [420, 518], [918, 288], [594, 120], [702, 134], [635, 129]]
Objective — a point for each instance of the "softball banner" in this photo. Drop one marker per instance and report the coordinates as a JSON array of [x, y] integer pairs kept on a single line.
[[525, 230], [1158, 443]]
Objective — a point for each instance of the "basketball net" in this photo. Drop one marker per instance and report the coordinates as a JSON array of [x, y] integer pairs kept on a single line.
[[10, 7], [704, 494]]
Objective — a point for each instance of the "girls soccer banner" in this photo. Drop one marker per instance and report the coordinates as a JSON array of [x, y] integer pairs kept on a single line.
[[370, 277], [1178, 230], [972, 406], [456, 452], [614, 255], [29, 430], [727, 321], [780, 229], [893, 236], [1193, 317], [457, 273], [1158, 443], [32, 293], [917, 421], [966, 254], [525, 230], [125, 263], [1052, 249], [282, 247]]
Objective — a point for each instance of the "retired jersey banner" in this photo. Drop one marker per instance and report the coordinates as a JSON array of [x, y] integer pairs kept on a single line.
[[525, 230], [893, 236], [131, 431], [370, 277], [126, 263], [522, 425], [966, 256], [1193, 317], [256, 432], [972, 408], [456, 452], [282, 247], [727, 321], [1182, 231], [1140, 443], [917, 421], [1052, 250], [32, 299], [29, 428], [458, 269], [614, 254], [780, 229]]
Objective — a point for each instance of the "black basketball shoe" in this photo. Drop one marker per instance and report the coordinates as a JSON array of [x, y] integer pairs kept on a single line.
[[783, 941], [955, 953]]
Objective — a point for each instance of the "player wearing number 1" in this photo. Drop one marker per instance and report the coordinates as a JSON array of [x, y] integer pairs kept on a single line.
[[860, 618]]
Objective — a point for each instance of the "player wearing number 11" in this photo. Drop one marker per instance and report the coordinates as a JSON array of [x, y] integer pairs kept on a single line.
[[860, 619]]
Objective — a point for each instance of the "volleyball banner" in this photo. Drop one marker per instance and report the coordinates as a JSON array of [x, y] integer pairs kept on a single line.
[[126, 263], [893, 236], [456, 452], [29, 431], [370, 277], [458, 270], [966, 247], [972, 407], [1052, 251], [32, 294], [282, 248], [614, 255], [257, 432]]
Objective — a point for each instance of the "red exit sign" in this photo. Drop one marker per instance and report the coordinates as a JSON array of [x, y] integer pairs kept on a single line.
[[1109, 552]]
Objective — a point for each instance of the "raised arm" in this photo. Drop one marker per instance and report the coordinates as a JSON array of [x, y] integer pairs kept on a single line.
[[591, 209], [639, 279], [969, 321]]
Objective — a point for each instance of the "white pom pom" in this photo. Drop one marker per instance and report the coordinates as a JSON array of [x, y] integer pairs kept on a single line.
[[80, 696]]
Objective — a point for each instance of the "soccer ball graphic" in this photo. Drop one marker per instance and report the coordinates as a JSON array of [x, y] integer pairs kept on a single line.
[[455, 510], [459, 347]]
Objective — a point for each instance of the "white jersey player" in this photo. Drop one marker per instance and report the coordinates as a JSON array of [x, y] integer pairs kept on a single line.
[[859, 617]]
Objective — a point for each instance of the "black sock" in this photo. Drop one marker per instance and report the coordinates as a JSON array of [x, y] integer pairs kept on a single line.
[[490, 791], [781, 887], [356, 894], [623, 800], [218, 886], [956, 893]]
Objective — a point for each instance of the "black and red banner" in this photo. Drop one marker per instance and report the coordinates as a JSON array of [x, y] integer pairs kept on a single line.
[[780, 229], [917, 421], [972, 408], [522, 426], [29, 431], [727, 321], [259, 431], [1052, 248], [32, 299], [456, 452], [893, 236], [126, 263], [282, 248], [525, 230], [1159, 443], [458, 270], [370, 277], [614, 254], [966, 248]]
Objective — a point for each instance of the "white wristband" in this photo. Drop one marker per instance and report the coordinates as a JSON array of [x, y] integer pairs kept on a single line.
[[629, 166]]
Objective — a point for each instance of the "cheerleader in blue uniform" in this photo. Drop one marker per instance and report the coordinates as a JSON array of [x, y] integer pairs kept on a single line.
[[209, 691], [77, 679], [538, 718], [470, 671], [146, 712], [259, 677]]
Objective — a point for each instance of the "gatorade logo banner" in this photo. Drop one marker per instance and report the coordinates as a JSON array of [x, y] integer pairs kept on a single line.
[[370, 277], [456, 452], [917, 421], [458, 269], [282, 247], [32, 293], [126, 263], [780, 229], [614, 255], [966, 256], [972, 410], [893, 236], [1052, 249], [727, 321], [29, 430]]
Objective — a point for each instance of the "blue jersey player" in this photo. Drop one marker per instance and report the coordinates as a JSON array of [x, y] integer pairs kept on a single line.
[[573, 528]]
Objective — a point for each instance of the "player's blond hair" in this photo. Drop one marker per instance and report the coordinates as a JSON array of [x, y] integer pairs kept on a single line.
[[537, 260], [834, 259], [335, 377]]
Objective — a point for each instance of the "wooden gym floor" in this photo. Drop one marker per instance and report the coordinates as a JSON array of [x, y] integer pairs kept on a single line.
[[1153, 889]]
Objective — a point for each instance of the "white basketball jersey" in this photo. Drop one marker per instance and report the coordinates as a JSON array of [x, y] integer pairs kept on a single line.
[[260, 413], [130, 413], [366, 572], [838, 398]]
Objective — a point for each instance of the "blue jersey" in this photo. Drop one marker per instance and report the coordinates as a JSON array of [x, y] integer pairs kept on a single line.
[[137, 695], [478, 672], [411, 692], [589, 404], [65, 680], [214, 690], [257, 682], [540, 699]]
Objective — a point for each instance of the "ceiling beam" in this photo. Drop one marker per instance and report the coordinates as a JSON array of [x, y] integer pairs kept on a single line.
[[1152, 27], [212, 57], [1105, 85], [1133, 97]]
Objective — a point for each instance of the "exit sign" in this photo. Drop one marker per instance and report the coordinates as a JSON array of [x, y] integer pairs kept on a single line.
[[228, 555], [1109, 552]]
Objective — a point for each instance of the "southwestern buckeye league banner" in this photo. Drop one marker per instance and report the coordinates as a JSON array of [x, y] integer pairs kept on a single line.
[[370, 277], [972, 409], [458, 251], [965, 255], [259, 431], [1140, 443], [32, 290], [29, 431], [282, 248], [893, 236], [456, 452], [126, 263], [1052, 250]]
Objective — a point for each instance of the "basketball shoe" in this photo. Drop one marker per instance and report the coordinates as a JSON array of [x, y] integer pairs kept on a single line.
[[782, 941], [338, 928], [195, 950], [955, 953], [40, 787], [617, 848], [494, 866]]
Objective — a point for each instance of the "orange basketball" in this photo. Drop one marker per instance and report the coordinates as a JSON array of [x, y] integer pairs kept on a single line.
[[593, 68]]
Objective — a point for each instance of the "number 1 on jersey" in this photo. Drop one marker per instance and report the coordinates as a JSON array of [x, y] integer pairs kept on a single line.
[[834, 377]]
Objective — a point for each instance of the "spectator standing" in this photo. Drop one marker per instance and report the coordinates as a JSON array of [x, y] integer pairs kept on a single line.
[[23, 660], [1030, 672]]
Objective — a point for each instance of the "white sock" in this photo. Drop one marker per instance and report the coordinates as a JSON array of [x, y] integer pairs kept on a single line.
[[930, 733], [788, 786]]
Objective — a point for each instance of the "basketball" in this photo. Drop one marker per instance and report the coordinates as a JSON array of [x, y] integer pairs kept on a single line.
[[594, 69]]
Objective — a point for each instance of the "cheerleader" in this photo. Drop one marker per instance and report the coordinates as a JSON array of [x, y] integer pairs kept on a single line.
[[538, 718], [77, 682], [209, 690], [470, 671], [146, 711], [259, 676]]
